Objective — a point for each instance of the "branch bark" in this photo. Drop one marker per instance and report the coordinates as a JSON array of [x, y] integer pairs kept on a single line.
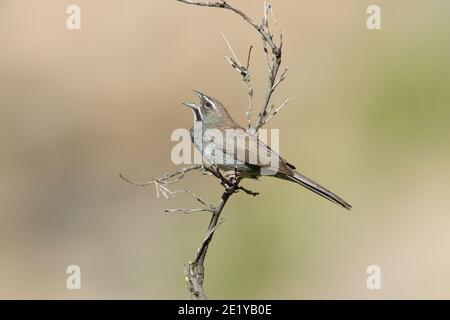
[[195, 270]]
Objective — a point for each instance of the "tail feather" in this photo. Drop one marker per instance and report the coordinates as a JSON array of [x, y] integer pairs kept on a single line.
[[317, 188]]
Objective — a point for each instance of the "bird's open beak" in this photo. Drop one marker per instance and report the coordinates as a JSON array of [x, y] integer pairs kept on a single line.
[[193, 105], [199, 94], [190, 105]]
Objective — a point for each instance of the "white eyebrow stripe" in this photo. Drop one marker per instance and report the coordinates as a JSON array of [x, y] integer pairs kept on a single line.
[[210, 101]]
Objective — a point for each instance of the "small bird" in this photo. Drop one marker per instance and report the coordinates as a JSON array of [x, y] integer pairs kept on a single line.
[[215, 134]]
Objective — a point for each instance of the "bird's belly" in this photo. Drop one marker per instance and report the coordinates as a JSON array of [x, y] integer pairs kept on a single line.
[[216, 156], [213, 154], [226, 162]]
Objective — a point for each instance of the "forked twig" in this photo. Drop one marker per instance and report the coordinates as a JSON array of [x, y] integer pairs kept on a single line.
[[273, 112], [245, 73]]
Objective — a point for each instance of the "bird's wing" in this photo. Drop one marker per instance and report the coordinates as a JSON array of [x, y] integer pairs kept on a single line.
[[247, 148]]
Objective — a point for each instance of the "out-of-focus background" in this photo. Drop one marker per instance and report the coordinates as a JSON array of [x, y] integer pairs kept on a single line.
[[369, 118]]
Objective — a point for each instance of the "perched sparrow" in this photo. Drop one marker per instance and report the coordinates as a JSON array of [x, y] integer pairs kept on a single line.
[[231, 148]]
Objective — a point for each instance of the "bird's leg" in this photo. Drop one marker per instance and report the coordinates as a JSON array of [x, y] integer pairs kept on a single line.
[[229, 179], [229, 176]]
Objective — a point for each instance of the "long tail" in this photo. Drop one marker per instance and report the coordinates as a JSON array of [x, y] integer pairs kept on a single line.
[[317, 188]]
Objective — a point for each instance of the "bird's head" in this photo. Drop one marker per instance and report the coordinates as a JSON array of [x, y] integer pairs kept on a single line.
[[209, 110]]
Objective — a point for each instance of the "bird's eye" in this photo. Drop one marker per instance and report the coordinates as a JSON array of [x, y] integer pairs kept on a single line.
[[208, 104]]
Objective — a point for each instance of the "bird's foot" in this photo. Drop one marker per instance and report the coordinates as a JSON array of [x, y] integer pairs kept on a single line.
[[229, 179], [232, 177]]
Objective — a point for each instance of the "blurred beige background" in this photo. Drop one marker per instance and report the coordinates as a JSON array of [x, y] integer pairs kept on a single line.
[[369, 118]]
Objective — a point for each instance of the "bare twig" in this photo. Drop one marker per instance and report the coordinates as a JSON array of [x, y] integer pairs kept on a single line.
[[273, 113], [186, 211], [245, 73], [231, 50], [178, 175], [224, 5], [273, 61], [281, 79], [161, 187], [250, 91], [248, 191], [197, 197], [208, 207]]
